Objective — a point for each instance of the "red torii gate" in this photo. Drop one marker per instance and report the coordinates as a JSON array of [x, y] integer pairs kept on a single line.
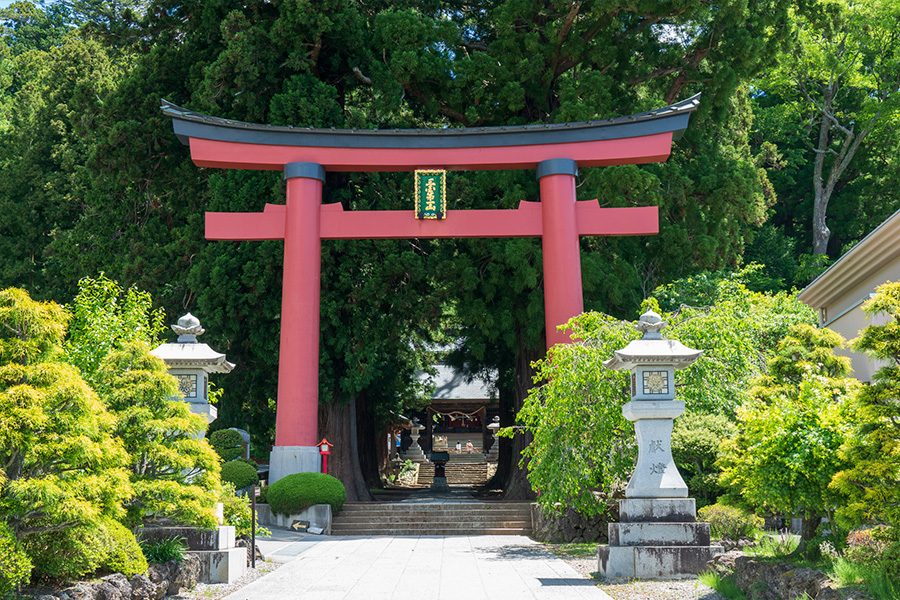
[[305, 154]]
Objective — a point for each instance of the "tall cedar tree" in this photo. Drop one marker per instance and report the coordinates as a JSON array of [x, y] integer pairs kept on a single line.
[[392, 65]]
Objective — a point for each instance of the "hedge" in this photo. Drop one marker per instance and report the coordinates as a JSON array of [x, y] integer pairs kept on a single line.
[[295, 493]]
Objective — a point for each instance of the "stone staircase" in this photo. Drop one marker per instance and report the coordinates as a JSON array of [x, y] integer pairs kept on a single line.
[[457, 473], [437, 518]]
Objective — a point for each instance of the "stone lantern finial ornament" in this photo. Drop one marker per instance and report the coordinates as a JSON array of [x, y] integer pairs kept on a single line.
[[657, 535], [188, 328]]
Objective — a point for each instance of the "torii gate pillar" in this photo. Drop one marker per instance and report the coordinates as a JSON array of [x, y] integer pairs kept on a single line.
[[563, 298], [296, 420]]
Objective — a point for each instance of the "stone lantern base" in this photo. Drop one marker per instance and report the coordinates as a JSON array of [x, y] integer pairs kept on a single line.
[[656, 538]]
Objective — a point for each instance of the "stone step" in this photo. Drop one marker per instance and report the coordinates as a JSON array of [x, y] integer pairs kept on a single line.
[[421, 532], [449, 518]]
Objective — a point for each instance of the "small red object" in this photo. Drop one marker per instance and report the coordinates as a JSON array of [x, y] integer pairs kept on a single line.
[[324, 450]]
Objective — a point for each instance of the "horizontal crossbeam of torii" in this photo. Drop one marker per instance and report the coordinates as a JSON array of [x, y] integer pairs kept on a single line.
[[306, 154]]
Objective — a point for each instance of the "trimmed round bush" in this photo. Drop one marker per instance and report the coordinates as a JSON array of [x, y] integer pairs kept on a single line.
[[66, 555], [125, 555], [239, 473], [227, 443], [728, 522], [295, 493], [15, 566]]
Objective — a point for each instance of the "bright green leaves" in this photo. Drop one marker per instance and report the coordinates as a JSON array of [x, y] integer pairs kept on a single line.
[[872, 483], [104, 317], [57, 451]]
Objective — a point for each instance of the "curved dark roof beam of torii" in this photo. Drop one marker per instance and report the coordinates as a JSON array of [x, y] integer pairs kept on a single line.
[[224, 143]]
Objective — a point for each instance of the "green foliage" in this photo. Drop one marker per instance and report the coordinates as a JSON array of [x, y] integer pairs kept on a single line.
[[775, 545], [15, 566], [726, 586], [786, 453], [873, 448], [239, 473], [582, 441], [263, 497], [695, 448], [175, 474], [729, 522], [227, 443], [61, 462], [105, 318], [295, 493], [877, 549], [161, 551], [124, 554], [238, 513]]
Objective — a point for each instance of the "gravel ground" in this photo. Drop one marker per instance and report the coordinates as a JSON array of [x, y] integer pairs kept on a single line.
[[688, 588], [212, 591]]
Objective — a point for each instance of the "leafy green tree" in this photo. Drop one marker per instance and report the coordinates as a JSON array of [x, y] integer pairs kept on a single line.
[[872, 479], [61, 463], [105, 318], [696, 441], [174, 472], [786, 453], [583, 444]]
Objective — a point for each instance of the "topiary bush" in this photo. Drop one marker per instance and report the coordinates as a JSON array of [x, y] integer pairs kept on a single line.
[[239, 473], [124, 553], [294, 493], [227, 442], [68, 554], [728, 522], [15, 566]]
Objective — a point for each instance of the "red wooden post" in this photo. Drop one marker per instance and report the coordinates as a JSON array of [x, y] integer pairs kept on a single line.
[[296, 420], [562, 256]]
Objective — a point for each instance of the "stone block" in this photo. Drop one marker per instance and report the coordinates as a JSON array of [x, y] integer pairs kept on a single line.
[[659, 534], [287, 460], [318, 515], [221, 566], [220, 538], [653, 562], [668, 510]]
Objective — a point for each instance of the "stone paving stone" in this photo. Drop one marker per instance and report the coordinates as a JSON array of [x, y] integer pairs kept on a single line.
[[433, 567]]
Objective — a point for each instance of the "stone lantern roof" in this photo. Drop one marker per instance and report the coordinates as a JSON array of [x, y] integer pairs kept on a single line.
[[652, 348], [187, 352]]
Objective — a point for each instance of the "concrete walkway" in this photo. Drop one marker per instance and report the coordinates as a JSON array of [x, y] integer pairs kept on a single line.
[[415, 568]]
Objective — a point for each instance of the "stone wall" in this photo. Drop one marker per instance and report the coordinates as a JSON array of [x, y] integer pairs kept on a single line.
[[763, 580], [161, 580], [570, 526]]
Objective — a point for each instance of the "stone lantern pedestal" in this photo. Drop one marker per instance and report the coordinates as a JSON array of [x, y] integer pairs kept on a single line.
[[657, 535], [493, 454]]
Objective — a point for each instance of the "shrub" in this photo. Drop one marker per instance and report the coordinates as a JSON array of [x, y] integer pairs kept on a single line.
[[227, 442], [240, 474], [15, 566], [729, 522], [294, 493], [124, 553], [263, 495], [695, 450], [164, 550], [236, 509], [68, 554], [876, 548]]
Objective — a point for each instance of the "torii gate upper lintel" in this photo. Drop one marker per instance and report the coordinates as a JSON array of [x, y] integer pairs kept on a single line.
[[555, 151]]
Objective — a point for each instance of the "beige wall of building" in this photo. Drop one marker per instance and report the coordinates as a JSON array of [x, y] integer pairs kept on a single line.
[[838, 293]]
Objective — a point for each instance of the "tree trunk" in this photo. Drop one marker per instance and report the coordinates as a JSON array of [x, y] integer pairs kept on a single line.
[[517, 485], [337, 422], [372, 458]]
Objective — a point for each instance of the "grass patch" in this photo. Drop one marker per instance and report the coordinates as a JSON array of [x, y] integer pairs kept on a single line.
[[572, 550], [722, 584], [774, 545], [875, 581]]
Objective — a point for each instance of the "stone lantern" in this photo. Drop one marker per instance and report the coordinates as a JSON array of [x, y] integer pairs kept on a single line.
[[191, 362], [658, 535], [493, 454], [414, 452]]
